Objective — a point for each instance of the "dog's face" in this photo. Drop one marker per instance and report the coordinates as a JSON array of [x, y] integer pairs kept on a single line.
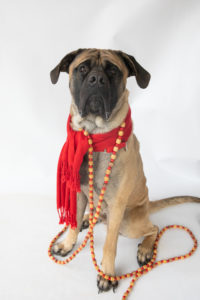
[[97, 78]]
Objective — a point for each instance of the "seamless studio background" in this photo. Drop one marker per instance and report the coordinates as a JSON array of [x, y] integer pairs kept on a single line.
[[164, 38]]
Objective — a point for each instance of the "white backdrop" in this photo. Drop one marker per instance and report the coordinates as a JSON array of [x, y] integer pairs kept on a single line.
[[162, 35]]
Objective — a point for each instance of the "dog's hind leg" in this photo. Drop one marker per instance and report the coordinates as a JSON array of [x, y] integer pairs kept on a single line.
[[64, 247], [145, 249], [136, 224]]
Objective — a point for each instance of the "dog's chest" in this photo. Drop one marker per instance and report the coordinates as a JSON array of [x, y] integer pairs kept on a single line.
[[100, 164]]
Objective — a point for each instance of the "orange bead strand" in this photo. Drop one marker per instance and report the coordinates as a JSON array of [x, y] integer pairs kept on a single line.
[[93, 217]]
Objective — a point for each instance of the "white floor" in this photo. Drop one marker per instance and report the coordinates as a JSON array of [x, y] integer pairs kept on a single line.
[[28, 223]]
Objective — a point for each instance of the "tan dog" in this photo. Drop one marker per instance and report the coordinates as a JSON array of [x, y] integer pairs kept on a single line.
[[97, 80]]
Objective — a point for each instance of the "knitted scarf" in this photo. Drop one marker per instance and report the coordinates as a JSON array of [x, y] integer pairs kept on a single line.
[[70, 160]]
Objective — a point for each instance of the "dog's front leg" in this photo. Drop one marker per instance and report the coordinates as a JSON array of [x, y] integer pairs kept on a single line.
[[116, 212], [64, 247]]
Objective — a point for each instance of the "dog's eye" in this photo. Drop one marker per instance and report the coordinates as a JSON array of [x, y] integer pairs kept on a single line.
[[83, 69], [112, 70]]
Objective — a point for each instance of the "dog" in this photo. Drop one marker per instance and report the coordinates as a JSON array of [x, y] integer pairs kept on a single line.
[[97, 81]]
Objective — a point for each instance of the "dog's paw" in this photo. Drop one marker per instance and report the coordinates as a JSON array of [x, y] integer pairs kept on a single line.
[[105, 285], [144, 255], [62, 249], [84, 225]]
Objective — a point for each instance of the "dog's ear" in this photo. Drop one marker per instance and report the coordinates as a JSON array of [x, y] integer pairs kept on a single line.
[[63, 66], [135, 69]]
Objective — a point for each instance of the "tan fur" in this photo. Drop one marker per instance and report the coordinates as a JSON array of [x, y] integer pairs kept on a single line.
[[159, 204], [126, 204]]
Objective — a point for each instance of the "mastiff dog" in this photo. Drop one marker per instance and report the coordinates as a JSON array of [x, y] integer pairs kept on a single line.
[[97, 81]]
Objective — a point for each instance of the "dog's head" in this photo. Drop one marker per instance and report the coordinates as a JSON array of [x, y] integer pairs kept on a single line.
[[97, 78]]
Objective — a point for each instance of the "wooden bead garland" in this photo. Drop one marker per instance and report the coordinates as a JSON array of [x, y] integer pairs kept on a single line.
[[93, 217]]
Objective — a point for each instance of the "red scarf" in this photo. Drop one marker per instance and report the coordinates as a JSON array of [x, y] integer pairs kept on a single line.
[[70, 160]]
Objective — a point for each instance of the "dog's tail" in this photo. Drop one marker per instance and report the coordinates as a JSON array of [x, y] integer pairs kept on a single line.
[[159, 204]]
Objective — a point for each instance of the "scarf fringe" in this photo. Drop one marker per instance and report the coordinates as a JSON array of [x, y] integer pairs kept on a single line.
[[67, 218]]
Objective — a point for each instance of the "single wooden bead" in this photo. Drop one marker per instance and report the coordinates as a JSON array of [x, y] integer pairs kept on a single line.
[[85, 133], [120, 133], [108, 171], [115, 149], [113, 156], [118, 141], [90, 141]]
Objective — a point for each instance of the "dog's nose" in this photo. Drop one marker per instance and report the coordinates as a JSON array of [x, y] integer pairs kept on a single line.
[[96, 78], [101, 80], [92, 80]]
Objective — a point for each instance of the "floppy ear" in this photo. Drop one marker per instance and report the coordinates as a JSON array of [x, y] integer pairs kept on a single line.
[[135, 69], [63, 66]]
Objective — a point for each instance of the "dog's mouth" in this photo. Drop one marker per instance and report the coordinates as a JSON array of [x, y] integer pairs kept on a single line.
[[97, 105]]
